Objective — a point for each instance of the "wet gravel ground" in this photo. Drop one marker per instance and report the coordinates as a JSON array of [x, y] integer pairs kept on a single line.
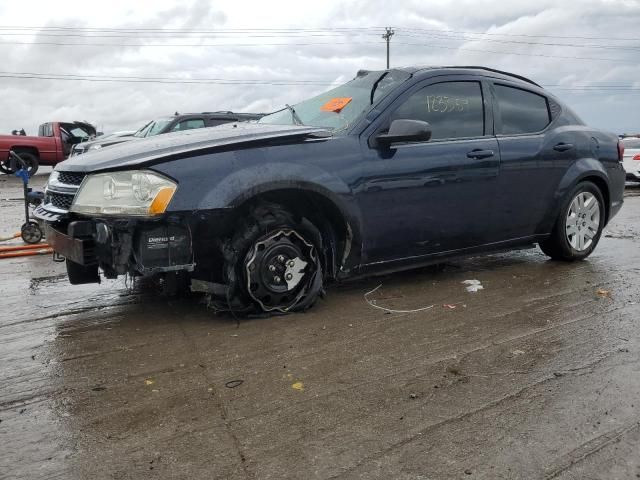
[[537, 375]]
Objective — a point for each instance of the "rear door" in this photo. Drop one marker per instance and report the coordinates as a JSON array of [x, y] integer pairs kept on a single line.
[[534, 156], [422, 198]]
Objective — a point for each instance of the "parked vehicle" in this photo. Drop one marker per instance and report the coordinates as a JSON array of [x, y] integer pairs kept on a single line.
[[632, 158], [174, 123], [52, 145], [394, 169]]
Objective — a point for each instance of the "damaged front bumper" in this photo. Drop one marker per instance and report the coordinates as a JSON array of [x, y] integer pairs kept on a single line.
[[119, 247]]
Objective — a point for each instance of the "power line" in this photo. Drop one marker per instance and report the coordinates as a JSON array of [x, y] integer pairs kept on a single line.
[[520, 42], [608, 89], [282, 29], [134, 77], [287, 30], [192, 35], [542, 55], [195, 81], [307, 44], [622, 39], [67, 44]]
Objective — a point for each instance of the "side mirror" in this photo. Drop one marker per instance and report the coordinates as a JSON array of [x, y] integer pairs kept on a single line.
[[405, 131]]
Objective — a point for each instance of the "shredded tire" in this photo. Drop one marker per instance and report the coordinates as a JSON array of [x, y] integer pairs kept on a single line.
[[262, 219]]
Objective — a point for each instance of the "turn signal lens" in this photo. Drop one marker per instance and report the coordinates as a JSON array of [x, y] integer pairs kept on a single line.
[[160, 203]]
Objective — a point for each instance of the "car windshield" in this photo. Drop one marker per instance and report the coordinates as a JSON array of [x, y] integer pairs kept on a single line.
[[153, 128], [77, 131], [342, 106], [631, 142]]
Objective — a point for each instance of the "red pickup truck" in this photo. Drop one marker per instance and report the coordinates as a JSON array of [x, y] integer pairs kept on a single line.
[[52, 145]]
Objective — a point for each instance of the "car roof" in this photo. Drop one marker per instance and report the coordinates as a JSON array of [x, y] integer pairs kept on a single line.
[[425, 71], [220, 115]]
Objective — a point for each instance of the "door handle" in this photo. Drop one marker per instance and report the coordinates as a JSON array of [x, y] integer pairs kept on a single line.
[[563, 147], [478, 154]]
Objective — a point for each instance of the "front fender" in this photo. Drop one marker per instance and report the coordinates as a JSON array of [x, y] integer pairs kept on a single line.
[[240, 185], [243, 185]]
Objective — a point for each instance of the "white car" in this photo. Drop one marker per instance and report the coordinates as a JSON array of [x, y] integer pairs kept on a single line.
[[632, 158]]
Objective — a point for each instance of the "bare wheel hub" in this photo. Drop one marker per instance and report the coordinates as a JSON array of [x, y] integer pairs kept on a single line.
[[278, 269]]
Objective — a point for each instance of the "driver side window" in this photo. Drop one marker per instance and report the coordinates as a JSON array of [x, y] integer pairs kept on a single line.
[[453, 109]]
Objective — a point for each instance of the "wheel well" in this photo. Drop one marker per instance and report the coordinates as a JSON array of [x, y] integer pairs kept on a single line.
[[31, 150], [604, 189], [336, 231]]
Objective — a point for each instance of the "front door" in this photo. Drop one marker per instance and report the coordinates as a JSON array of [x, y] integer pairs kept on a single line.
[[431, 197]]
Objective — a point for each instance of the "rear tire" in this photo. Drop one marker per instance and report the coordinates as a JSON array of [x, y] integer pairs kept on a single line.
[[579, 225], [272, 262]]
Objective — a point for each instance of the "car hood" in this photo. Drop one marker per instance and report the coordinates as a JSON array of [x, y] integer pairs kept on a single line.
[[155, 149], [106, 142]]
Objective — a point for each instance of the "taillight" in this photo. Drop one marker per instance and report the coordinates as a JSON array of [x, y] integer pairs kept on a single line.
[[636, 157], [620, 151]]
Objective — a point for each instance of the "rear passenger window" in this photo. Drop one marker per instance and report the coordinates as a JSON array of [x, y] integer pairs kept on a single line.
[[214, 122], [45, 130], [521, 111], [453, 109], [189, 124]]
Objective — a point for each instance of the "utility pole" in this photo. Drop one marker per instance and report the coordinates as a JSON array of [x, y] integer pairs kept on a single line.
[[387, 36]]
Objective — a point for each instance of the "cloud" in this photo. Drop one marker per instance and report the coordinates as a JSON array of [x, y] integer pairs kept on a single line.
[[427, 33]]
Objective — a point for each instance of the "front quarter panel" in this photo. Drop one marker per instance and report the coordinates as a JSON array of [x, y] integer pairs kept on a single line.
[[225, 180]]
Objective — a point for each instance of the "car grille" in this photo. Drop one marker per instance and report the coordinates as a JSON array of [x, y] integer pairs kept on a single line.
[[59, 200], [71, 178], [59, 195]]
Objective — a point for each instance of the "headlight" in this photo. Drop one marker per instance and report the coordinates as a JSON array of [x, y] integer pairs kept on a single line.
[[53, 177], [140, 193]]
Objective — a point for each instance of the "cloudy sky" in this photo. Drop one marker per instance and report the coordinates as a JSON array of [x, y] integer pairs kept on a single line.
[[206, 55]]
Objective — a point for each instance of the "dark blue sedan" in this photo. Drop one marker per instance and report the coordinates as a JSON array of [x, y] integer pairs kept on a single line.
[[392, 170]]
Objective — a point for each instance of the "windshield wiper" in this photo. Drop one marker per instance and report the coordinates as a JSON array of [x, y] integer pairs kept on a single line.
[[294, 115]]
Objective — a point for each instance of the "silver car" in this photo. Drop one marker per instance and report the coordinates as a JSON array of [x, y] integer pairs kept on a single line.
[[632, 158]]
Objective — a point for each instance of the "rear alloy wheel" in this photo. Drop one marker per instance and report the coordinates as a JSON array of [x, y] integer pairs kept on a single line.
[[579, 225], [272, 263], [583, 221]]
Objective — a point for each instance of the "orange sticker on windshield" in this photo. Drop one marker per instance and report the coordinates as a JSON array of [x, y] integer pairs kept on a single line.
[[335, 104]]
